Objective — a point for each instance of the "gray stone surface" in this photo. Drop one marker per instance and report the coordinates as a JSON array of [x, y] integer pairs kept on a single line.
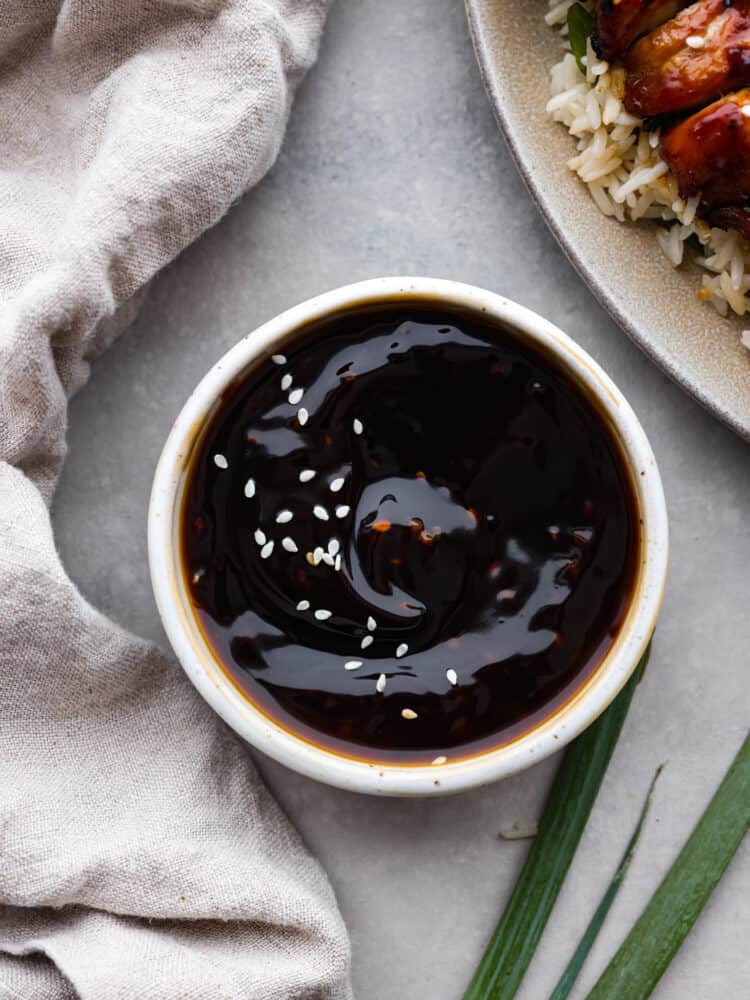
[[393, 164]]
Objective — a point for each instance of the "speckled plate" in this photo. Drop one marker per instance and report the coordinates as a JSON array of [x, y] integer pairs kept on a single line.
[[622, 264]]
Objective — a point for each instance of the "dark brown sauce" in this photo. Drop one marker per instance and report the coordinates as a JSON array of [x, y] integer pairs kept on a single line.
[[485, 526]]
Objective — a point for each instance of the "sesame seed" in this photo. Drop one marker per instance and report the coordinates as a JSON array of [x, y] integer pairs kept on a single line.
[[310, 556], [339, 482], [380, 684], [440, 760], [284, 517], [250, 489], [452, 676], [303, 606], [408, 713], [286, 381], [318, 555], [289, 544], [302, 416], [220, 461], [278, 359], [333, 546], [196, 577], [342, 510], [357, 426], [295, 396], [352, 665], [745, 110], [267, 549], [367, 641], [259, 537], [328, 559], [695, 41], [337, 562], [306, 475], [322, 615], [320, 512], [402, 650], [371, 624]]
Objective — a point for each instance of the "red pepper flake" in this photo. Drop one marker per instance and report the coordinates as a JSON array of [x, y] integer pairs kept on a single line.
[[381, 526], [458, 727], [421, 475], [416, 524], [495, 570], [573, 569], [473, 514]]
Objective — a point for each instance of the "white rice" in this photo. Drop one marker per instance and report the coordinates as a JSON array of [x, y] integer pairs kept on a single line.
[[620, 164]]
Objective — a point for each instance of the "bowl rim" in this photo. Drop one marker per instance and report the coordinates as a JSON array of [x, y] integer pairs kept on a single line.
[[317, 762]]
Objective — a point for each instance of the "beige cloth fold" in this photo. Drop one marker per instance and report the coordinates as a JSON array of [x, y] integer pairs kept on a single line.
[[140, 855]]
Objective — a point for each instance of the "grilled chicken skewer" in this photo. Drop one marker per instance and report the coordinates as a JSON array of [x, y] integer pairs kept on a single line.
[[618, 23], [678, 57], [701, 53], [709, 153]]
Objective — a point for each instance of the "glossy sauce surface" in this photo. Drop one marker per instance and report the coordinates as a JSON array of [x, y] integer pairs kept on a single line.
[[454, 537]]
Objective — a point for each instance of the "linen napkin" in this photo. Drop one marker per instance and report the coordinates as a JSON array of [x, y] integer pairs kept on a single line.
[[140, 854]]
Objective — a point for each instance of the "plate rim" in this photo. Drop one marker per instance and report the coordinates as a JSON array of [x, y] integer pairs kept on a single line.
[[708, 400]]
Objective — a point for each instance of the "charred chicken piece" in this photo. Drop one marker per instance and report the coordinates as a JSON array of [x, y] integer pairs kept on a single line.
[[690, 60], [617, 23], [710, 153]]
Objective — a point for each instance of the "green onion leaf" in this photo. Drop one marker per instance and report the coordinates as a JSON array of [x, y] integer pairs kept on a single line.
[[568, 978], [664, 924], [580, 26], [566, 811]]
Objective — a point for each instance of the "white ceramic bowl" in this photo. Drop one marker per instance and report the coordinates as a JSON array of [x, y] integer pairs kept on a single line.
[[220, 691]]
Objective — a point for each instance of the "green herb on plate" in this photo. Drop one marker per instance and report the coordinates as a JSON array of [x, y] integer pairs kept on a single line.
[[580, 26]]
